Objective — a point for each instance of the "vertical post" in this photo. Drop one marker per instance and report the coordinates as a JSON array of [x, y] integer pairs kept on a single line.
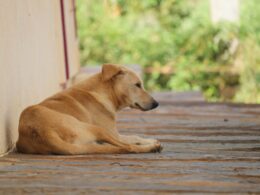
[[75, 17], [224, 10], [64, 38]]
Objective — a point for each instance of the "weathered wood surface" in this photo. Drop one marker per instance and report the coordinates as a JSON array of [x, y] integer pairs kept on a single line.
[[208, 148]]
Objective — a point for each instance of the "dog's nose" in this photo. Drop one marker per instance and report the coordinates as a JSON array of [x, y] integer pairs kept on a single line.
[[155, 104]]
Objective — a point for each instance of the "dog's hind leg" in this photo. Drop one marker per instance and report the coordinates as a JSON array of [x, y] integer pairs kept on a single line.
[[109, 137], [59, 146]]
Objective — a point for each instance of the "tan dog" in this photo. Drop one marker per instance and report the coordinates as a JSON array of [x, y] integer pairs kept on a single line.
[[81, 119]]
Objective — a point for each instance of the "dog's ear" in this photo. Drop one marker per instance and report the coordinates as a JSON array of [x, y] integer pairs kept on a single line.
[[110, 70]]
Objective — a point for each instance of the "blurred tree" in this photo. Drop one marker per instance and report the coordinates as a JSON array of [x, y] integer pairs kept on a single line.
[[176, 43]]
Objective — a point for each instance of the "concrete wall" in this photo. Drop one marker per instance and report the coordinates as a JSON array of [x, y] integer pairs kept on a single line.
[[31, 58]]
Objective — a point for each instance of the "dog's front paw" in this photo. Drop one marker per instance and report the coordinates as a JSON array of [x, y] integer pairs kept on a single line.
[[149, 141], [157, 147], [146, 142]]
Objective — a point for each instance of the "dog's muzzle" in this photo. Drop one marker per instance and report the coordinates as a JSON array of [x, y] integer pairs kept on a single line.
[[155, 104], [150, 106]]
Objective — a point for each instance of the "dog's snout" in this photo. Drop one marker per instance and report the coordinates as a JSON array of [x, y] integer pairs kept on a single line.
[[155, 104]]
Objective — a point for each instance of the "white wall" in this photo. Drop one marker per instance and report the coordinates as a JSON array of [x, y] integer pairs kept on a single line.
[[31, 59]]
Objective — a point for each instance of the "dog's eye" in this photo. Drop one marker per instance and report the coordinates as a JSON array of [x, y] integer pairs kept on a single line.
[[138, 85]]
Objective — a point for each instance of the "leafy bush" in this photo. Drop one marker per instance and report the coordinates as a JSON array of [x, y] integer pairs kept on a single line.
[[176, 44]]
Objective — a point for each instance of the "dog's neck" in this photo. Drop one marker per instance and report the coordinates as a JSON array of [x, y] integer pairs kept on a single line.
[[103, 93], [105, 101]]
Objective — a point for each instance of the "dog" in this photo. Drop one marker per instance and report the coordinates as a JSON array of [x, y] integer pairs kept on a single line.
[[82, 118]]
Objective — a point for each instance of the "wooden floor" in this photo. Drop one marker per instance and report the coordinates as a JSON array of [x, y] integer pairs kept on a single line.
[[208, 148]]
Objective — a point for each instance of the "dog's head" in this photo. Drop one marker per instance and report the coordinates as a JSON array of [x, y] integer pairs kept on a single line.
[[127, 87]]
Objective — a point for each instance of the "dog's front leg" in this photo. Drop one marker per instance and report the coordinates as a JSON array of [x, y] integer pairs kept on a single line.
[[134, 139]]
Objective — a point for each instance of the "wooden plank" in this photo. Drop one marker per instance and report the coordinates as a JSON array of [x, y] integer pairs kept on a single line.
[[194, 96], [208, 148]]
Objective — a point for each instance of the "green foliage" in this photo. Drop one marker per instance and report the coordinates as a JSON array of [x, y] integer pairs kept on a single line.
[[249, 89], [176, 44]]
